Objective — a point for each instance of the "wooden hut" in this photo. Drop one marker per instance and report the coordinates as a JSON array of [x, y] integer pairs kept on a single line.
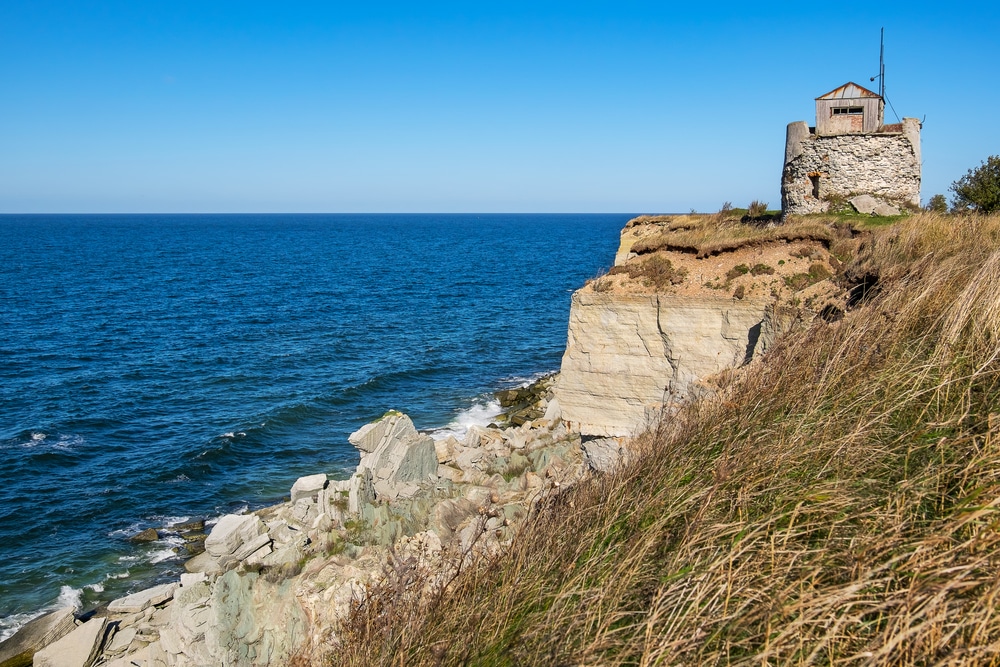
[[849, 109]]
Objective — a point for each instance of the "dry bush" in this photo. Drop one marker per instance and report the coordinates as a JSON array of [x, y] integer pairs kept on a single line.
[[656, 271], [838, 503]]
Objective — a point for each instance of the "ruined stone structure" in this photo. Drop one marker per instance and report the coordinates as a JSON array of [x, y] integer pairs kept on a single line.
[[850, 152]]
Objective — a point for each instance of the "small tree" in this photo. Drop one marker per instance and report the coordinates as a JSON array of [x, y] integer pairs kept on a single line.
[[937, 204], [980, 187]]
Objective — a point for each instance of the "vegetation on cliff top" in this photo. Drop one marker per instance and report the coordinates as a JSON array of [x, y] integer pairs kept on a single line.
[[836, 502]]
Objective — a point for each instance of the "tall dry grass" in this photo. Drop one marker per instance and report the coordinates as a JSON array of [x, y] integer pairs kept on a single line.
[[839, 503]]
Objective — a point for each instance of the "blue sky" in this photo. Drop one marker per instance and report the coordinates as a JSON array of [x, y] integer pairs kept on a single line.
[[150, 106]]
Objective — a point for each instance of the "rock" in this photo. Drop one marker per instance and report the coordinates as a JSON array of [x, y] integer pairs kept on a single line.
[[231, 531], [122, 640], [148, 535], [247, 549], [628, 355], [394, 453], [77, 649], [553, 412], [307, 487], [17, 650], [864, 204], [193, 526], [141, 600], [189, 579], [603, 454], [392, 425], [886, 209], [444, 449], [203, 562]]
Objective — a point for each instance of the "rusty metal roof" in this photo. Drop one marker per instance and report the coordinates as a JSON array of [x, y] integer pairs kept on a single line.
[[849, 91]]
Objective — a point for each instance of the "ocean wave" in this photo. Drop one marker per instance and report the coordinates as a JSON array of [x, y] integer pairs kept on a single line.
[[68, 597], [480, 414]]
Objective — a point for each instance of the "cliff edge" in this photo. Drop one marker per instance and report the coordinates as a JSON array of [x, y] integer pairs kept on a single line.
[[689, 296]]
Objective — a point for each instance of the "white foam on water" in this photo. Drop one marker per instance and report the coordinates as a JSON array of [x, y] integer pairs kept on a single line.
[[11, 624], [171, 521], [129, 531], [69, 597], [478, 414], [97, 588], [168, 553]]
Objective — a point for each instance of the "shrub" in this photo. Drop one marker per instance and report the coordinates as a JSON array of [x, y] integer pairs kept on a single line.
[[656, 271], [737, 271], [757, 209], [980, 187], [761, 270], [937, 204]]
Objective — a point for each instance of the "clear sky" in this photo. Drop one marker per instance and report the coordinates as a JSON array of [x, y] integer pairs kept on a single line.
[[157, 106]]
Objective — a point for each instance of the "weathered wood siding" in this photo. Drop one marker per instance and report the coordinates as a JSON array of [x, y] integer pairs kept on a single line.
[[827, 124]]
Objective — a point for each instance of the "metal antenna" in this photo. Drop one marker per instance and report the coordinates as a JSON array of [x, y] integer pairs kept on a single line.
[[881, 65], [881, 62]]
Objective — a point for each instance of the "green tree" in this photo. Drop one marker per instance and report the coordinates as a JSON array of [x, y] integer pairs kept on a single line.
[[937, 204], [980, 187]]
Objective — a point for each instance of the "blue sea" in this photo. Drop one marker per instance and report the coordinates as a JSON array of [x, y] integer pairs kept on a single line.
[[156, 368]]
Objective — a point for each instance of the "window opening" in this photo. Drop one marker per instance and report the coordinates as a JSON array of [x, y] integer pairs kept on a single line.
[[847, 111]]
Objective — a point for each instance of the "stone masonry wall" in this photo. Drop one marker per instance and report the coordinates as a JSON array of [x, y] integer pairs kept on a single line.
[[883, 165]]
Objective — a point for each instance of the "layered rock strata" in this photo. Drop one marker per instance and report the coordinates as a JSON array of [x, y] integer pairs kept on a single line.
[[629, 355]]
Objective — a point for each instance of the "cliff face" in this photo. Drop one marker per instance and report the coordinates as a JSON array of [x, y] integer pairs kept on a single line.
[[628, 355], [689, 296]]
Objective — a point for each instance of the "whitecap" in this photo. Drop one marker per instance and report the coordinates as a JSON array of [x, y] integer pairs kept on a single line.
[[97, 588], [129, 531], [478, 414], [11, 624], [70, 597]]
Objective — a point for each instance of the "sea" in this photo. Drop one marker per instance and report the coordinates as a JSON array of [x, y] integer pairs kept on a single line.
[[156, 369]]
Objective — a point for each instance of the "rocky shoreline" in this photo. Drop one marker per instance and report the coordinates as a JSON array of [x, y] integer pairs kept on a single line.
[[689, 299], [270, 586]]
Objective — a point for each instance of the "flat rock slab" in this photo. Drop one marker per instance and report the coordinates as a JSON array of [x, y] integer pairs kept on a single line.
[[36, 634], [77, 649], [306, 487], [232, 531], [142, 600]]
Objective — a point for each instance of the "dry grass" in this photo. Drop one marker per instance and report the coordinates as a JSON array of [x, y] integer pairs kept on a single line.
[[655, 271], [839, 503], [711, 235]]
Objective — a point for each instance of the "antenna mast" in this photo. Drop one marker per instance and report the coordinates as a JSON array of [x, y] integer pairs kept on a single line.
[[881, 63]]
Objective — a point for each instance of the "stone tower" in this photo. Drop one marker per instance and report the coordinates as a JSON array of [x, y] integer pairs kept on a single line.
[[850, 152]]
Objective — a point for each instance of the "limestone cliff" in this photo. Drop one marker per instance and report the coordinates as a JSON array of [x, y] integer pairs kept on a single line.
[[629, 354], [689, 296]]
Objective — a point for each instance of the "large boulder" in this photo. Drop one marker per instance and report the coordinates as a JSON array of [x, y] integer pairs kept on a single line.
[[307, 487], [231, 532], [77, 649], [396, 455], [17, 650]]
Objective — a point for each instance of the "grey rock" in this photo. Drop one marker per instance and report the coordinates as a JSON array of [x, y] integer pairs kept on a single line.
[[245, 550], [148, 535], [886, 209], [36, 634], [307, 487], [231, 531], [603, 454], [77, 649], [391, 426], [142, 600], [203, 562], [864, 204]]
